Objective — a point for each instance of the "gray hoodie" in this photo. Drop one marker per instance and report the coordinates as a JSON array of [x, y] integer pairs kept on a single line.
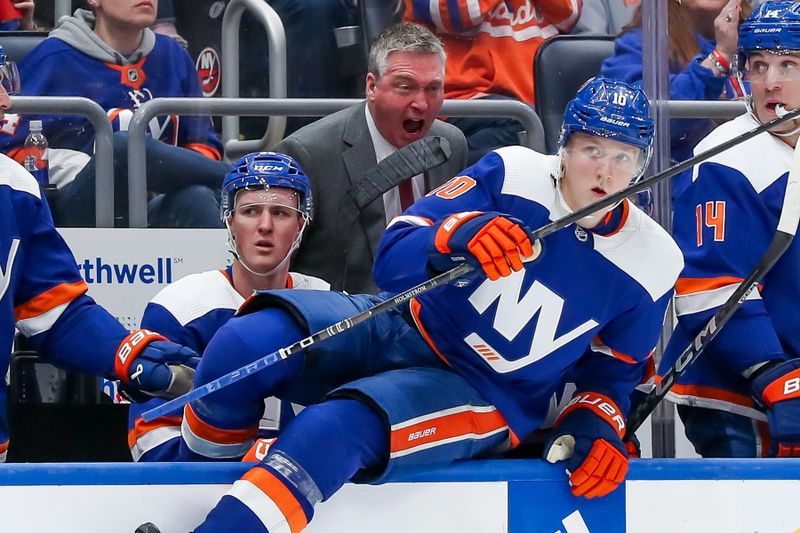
[[78, 32]]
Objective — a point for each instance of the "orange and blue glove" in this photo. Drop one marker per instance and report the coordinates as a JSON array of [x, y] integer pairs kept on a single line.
[[491, 242], [148, 365], [587, 436], [776, 388]]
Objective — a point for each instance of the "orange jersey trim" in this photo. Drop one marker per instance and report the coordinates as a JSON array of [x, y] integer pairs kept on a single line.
[[692, 285], [626, 209], [140, 427], [216, 435], [415, 310], [131, 75], [616, 353], [446, 427], [280, 495], [50, 299], [204, 149]]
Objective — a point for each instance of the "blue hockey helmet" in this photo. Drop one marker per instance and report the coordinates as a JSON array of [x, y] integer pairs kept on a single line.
[[773, 26], [612, 109], [262, 170], [9, 75]]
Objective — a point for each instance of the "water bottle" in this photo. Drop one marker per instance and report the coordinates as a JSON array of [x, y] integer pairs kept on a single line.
[[36, 154]]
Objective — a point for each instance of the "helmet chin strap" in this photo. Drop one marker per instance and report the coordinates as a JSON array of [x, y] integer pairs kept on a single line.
[[234, 249]]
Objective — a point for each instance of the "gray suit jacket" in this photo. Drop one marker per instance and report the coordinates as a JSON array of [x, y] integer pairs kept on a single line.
[[335, 152]]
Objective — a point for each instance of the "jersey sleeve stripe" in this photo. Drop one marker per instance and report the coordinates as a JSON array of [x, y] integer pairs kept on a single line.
[[3, 451], [152, 440], [410, 220], [141, 428], [49, 300], [273, 504], [701, 301]]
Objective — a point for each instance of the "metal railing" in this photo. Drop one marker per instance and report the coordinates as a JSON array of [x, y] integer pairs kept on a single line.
[[308, 107], [705, 108], [276, 39], [63, 8], [104, 143]]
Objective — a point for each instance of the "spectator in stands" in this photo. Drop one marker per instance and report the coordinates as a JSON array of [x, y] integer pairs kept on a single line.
[[17, 15], [266, 206], [404, 94], [740, 397], [43, 297], [605, 17], [702, 42], [111, 56], [490, 49]]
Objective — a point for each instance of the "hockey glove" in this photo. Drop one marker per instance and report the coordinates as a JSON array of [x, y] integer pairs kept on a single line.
[[776, 389], [148, 363], [488, 241], [588, 437]]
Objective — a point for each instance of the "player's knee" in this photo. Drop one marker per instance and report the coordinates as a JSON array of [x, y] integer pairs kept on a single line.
[[240, 342], [361, 445]]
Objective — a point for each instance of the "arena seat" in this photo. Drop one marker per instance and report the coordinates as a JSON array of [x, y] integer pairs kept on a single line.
[[19, 43], [561, 66]]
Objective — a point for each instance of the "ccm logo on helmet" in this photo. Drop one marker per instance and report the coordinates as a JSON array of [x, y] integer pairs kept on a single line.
[[615, 121], [268, 168]]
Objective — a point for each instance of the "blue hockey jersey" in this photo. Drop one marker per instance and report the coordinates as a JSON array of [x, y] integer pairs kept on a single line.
[[55, 68], [189, 312], [588, 310], [41, 290], [724, 220]]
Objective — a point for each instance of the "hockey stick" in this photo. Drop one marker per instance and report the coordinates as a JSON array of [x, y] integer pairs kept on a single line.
[[283, 353], [446, 277], [787, 226], [405, 163]]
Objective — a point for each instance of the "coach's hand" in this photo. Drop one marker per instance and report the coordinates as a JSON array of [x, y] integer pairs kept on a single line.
[[147, 362], [492, 242]]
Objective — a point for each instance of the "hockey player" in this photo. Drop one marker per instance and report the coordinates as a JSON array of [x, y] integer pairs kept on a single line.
[[741, 397], [469, 369], [43, 294], [266, 206]]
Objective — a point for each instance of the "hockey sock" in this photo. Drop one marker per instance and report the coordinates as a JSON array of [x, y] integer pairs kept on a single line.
[[262, 501], [298, 472]]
